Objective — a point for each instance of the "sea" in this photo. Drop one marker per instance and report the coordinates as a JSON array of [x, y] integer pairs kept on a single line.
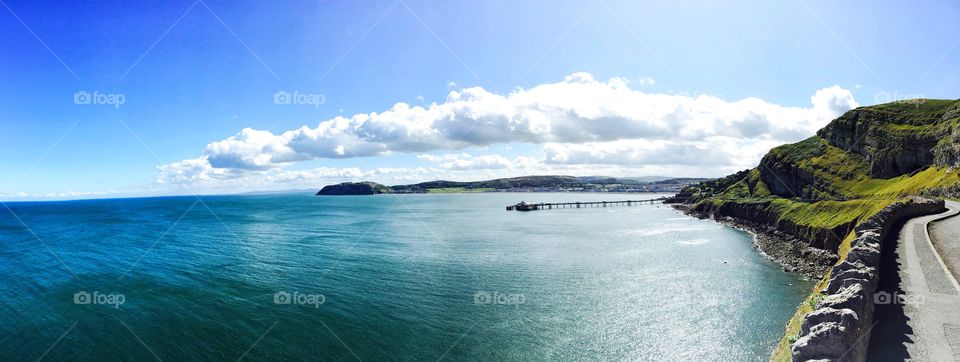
[[293, 276]]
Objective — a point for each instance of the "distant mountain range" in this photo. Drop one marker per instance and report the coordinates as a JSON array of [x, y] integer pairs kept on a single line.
[[522, 183]]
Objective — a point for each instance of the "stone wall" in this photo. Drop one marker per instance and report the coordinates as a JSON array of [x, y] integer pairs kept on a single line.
[[838, 328]]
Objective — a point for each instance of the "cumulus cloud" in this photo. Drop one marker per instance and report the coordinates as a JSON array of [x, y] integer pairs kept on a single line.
[[577, 120], [646, 81], [465, 161], [196, 169], [636, 153], [834, 100]]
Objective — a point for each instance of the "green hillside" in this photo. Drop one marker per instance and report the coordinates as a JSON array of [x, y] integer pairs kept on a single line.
[[859, 162], [818, 189]]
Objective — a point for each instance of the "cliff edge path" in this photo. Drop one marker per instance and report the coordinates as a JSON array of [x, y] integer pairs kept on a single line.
[[918, 300]]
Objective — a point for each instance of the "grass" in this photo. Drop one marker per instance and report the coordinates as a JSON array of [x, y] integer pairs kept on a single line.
[[843, 176], [826, 214], [846, 175], [459, 190], [840, 183], [800, 151], [874, 195], [916, 110], [830, 214], [928, 179]]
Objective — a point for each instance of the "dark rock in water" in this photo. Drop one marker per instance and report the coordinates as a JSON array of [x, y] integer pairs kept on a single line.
[[354, 188]]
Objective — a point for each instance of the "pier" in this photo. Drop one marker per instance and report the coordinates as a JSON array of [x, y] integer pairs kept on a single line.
[[523, 206]]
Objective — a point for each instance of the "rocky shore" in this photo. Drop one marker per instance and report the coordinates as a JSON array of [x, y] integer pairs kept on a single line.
[[838, 329], [792, 254]]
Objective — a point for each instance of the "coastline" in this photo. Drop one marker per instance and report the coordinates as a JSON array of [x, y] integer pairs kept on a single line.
[[791, 253]]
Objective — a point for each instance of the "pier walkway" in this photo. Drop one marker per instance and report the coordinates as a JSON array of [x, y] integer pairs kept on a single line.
[[523, 206]]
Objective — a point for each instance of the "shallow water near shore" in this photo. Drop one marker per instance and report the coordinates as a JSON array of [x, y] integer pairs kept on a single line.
[[387, 277]]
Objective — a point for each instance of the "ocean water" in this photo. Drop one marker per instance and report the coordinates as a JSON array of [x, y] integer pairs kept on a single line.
[[387, 277]]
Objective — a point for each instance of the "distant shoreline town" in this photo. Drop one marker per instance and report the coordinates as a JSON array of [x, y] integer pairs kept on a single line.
[[590, 184]]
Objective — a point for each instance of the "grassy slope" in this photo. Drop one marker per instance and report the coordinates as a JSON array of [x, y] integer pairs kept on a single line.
[[845, 191]]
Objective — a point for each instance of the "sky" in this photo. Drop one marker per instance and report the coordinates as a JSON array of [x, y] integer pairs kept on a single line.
[[122, 98]]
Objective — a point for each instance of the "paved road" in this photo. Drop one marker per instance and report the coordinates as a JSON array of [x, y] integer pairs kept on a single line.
[[924, 322], [946, 238]]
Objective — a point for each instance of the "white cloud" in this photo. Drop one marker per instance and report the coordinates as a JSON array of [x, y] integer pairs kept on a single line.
[[198, 177], [466, 162], [579, 120], [833, 100], [489, 162], [311, 176], [192, 170], [250, 150], [636, 153], [646, 81], [446, 157]]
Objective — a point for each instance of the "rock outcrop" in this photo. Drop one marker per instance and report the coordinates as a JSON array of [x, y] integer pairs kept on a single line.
[[838, 329], [760, 212], [354, 188], [896, 140], [786, 180]]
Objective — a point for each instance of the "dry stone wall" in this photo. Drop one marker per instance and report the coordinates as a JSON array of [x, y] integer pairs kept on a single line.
[[838, 328]]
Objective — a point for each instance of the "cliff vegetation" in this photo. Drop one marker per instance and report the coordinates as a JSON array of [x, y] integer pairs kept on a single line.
[[817, 190]]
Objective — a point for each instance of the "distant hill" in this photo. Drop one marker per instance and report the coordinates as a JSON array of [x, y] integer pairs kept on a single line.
[[354, 188], [553, 182], [622, 180], [499, 184]]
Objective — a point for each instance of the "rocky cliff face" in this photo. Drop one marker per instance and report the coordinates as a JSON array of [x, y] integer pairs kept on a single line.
[[761, 213], [879, 142], [822, 188], [947, 152], [896, 139], [786, 180]]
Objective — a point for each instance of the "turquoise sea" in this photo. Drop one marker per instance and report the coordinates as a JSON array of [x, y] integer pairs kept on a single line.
[[387, 277]]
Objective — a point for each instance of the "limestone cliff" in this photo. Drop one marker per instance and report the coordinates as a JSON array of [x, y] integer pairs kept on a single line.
[[861, 166], [818, 189], [899, 138]]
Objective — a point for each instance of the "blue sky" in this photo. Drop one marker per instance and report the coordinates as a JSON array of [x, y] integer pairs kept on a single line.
[[192, 73]]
